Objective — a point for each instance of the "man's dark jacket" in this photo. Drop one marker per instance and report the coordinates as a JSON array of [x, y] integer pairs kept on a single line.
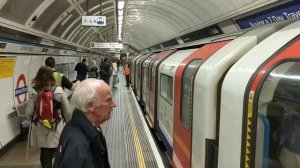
[[81, 69], [104, 70], [81, 145]]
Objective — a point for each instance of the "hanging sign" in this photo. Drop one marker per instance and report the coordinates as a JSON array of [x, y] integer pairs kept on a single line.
[[93, 20], [106, 45]]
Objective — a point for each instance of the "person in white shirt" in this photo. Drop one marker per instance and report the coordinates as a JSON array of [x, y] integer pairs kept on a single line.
[[115, 74]]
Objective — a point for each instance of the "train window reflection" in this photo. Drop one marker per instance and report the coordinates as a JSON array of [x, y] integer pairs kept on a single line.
[[151, 71], [72, 74], [187, 93], [145, 78], [278, 122], [166, 88]]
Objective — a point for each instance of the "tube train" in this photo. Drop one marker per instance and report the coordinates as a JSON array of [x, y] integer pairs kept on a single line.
[[19, 62], [227, 101]]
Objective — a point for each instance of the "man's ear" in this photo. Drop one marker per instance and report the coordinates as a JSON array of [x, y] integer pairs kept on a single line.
[[90, 106]]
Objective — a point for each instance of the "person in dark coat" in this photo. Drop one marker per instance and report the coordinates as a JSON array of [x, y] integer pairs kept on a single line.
[[82, 144], [105, 70], [81, 69]]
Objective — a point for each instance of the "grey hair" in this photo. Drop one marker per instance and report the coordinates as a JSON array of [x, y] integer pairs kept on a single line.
[[85, 92]]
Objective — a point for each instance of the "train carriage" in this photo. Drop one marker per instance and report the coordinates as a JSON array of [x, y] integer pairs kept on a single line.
[[207, 93], [261, 129], [145, 85], [138, 75], [153, 89], [200, 126], [133, 71], [165, 97], [184, 80]]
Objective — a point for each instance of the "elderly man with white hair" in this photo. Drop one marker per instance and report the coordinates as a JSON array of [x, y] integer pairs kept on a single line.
[[82, 143]]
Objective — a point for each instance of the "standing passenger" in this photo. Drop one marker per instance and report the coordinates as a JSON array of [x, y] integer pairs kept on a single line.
[[82, 143], [81, 69], [127, 72], [114, 73], [60, 78], [93, 70], [105, 70], [46, 138], [290, 139]]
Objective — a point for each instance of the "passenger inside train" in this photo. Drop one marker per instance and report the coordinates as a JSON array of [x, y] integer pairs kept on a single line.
[[127, 72]]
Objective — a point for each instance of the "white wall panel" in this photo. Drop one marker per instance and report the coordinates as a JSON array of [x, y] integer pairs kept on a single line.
[[36, 63], [7, 102], [21, 69]]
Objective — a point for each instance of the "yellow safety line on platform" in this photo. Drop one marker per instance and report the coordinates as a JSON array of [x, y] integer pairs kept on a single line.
[[136, 138]]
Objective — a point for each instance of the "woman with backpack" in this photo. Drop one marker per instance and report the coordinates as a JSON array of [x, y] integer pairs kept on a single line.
[[48, 107]]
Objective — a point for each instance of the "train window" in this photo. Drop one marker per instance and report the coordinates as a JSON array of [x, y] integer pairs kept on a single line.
[[166, 88], [66, 70], [71, 67], [151, 74], [187, 92], [63, 68], [59, 68], [278, 120], [145, 78]]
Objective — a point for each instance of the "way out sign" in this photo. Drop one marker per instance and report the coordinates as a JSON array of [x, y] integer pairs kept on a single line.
[[21, 89]]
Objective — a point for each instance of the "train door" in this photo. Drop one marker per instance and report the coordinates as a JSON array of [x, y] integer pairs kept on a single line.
[[138, 75], [165, 97], [183, 102], [148, 90], [151, 116], [146, 81], [273, 112], [147, 85], [133, 69]]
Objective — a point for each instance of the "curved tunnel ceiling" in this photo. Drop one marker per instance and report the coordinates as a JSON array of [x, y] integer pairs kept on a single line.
[[60, 20], [146, 22], [150, 22]]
